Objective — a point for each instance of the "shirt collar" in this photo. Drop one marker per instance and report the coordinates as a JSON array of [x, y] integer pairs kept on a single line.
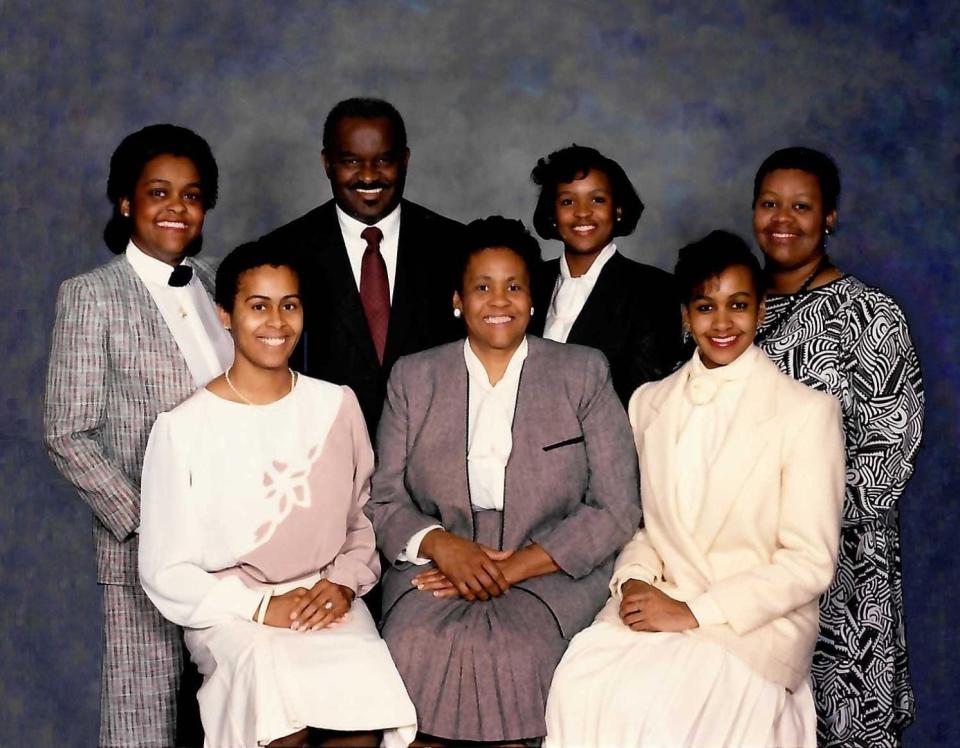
[[150, 269], [350, 226], [593, 273], [478, 373]]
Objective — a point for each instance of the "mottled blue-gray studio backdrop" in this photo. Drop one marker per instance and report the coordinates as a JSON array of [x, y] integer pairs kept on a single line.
[[688, 100]]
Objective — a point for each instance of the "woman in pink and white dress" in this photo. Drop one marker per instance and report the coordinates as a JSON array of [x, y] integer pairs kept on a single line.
[[253, 537]]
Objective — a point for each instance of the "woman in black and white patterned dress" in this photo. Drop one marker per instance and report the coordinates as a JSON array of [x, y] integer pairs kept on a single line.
[[834, 333]]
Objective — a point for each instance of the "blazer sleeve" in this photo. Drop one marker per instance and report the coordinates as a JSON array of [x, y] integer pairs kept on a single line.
[[395, 516], [171, 542], [811, 498], [357, 566], [75, 407], [610, 510]]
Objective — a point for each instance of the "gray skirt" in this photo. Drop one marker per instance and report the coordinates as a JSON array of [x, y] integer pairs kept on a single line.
[[476, 671]]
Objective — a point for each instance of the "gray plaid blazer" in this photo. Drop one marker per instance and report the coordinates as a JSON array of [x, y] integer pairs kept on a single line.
[[114, 366]]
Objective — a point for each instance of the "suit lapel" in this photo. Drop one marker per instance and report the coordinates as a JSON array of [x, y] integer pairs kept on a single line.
[[658, 457], [335, 273], [448, 428], [596, 312], [404, 297], [149, 326], [534, 409], [742, 447]]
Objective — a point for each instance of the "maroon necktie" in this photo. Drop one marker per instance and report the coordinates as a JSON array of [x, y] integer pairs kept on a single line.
[[375, 289]]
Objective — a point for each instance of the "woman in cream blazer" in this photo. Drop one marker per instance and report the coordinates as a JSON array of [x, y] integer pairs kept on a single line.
[[708, 636]]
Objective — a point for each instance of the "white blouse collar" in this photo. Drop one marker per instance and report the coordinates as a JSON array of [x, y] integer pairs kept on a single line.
[[150, 269], [594, 272], [478, 373]]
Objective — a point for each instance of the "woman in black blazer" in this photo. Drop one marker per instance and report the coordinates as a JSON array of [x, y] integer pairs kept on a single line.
[[592, 294]]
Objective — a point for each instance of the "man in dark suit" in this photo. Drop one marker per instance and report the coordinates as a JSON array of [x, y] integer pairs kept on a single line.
[[375, 267]]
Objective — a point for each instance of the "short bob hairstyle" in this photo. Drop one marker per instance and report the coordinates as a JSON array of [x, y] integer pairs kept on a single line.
[[127, 164], [247, 257], [497, 231], [572, 163], [803, 159], [365, 108], [708, 257]]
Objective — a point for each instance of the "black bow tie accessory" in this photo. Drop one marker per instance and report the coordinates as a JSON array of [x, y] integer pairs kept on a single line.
[[180, 276]]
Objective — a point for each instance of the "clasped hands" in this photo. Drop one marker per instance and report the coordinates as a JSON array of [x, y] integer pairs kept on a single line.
[[324, 605], [643, 607], [466, 569]]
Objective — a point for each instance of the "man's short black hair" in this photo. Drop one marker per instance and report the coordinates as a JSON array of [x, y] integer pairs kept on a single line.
[[365, 108]]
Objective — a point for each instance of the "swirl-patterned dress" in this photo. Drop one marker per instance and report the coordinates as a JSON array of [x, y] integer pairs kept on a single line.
[[852, 341]]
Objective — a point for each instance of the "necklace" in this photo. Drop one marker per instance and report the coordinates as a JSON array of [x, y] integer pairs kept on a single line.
[[804, 287], [235, 391]]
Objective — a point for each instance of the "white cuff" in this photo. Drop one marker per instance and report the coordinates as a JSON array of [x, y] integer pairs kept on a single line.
[[411, 554], [706, 610], [624, 574]]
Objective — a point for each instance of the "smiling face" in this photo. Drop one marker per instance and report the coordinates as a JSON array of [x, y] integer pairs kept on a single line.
[[166, 207], [789, 222], [365, 168], [585, 213], [495, 300], [723, 316], [267, 317]]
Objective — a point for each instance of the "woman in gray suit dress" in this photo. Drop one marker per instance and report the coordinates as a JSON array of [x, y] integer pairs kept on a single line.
[[506, 483]]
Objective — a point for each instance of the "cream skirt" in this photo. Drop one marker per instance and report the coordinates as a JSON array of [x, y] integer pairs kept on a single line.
[[262, 682], [616, 688]]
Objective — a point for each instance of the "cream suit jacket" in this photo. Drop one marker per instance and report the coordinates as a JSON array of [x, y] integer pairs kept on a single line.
[[764, 545]]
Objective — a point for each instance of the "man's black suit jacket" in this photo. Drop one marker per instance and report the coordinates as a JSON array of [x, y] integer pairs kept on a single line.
[[336, 344], [632, 316]]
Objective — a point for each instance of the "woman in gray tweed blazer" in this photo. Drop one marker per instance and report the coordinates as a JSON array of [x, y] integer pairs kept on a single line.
[[132, 339], [506, 482]]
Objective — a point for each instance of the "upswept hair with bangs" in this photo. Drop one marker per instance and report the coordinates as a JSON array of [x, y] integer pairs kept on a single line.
[[708, 257], [126, 166], [572, 163]]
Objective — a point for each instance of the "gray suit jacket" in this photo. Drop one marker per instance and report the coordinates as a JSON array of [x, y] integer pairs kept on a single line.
[[114, 365], [571, 483]]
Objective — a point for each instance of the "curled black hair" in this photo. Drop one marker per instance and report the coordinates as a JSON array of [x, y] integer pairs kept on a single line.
[[497, 231], [708, 257], [809, 160], [365, 108], [572, 163], [247, 257], [126, 166]]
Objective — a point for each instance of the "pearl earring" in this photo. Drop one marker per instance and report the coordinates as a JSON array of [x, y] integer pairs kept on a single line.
[[531, 311], [457, 312]]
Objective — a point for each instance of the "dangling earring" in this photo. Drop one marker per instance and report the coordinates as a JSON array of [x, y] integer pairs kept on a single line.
[[457, 312], [531, 311]]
